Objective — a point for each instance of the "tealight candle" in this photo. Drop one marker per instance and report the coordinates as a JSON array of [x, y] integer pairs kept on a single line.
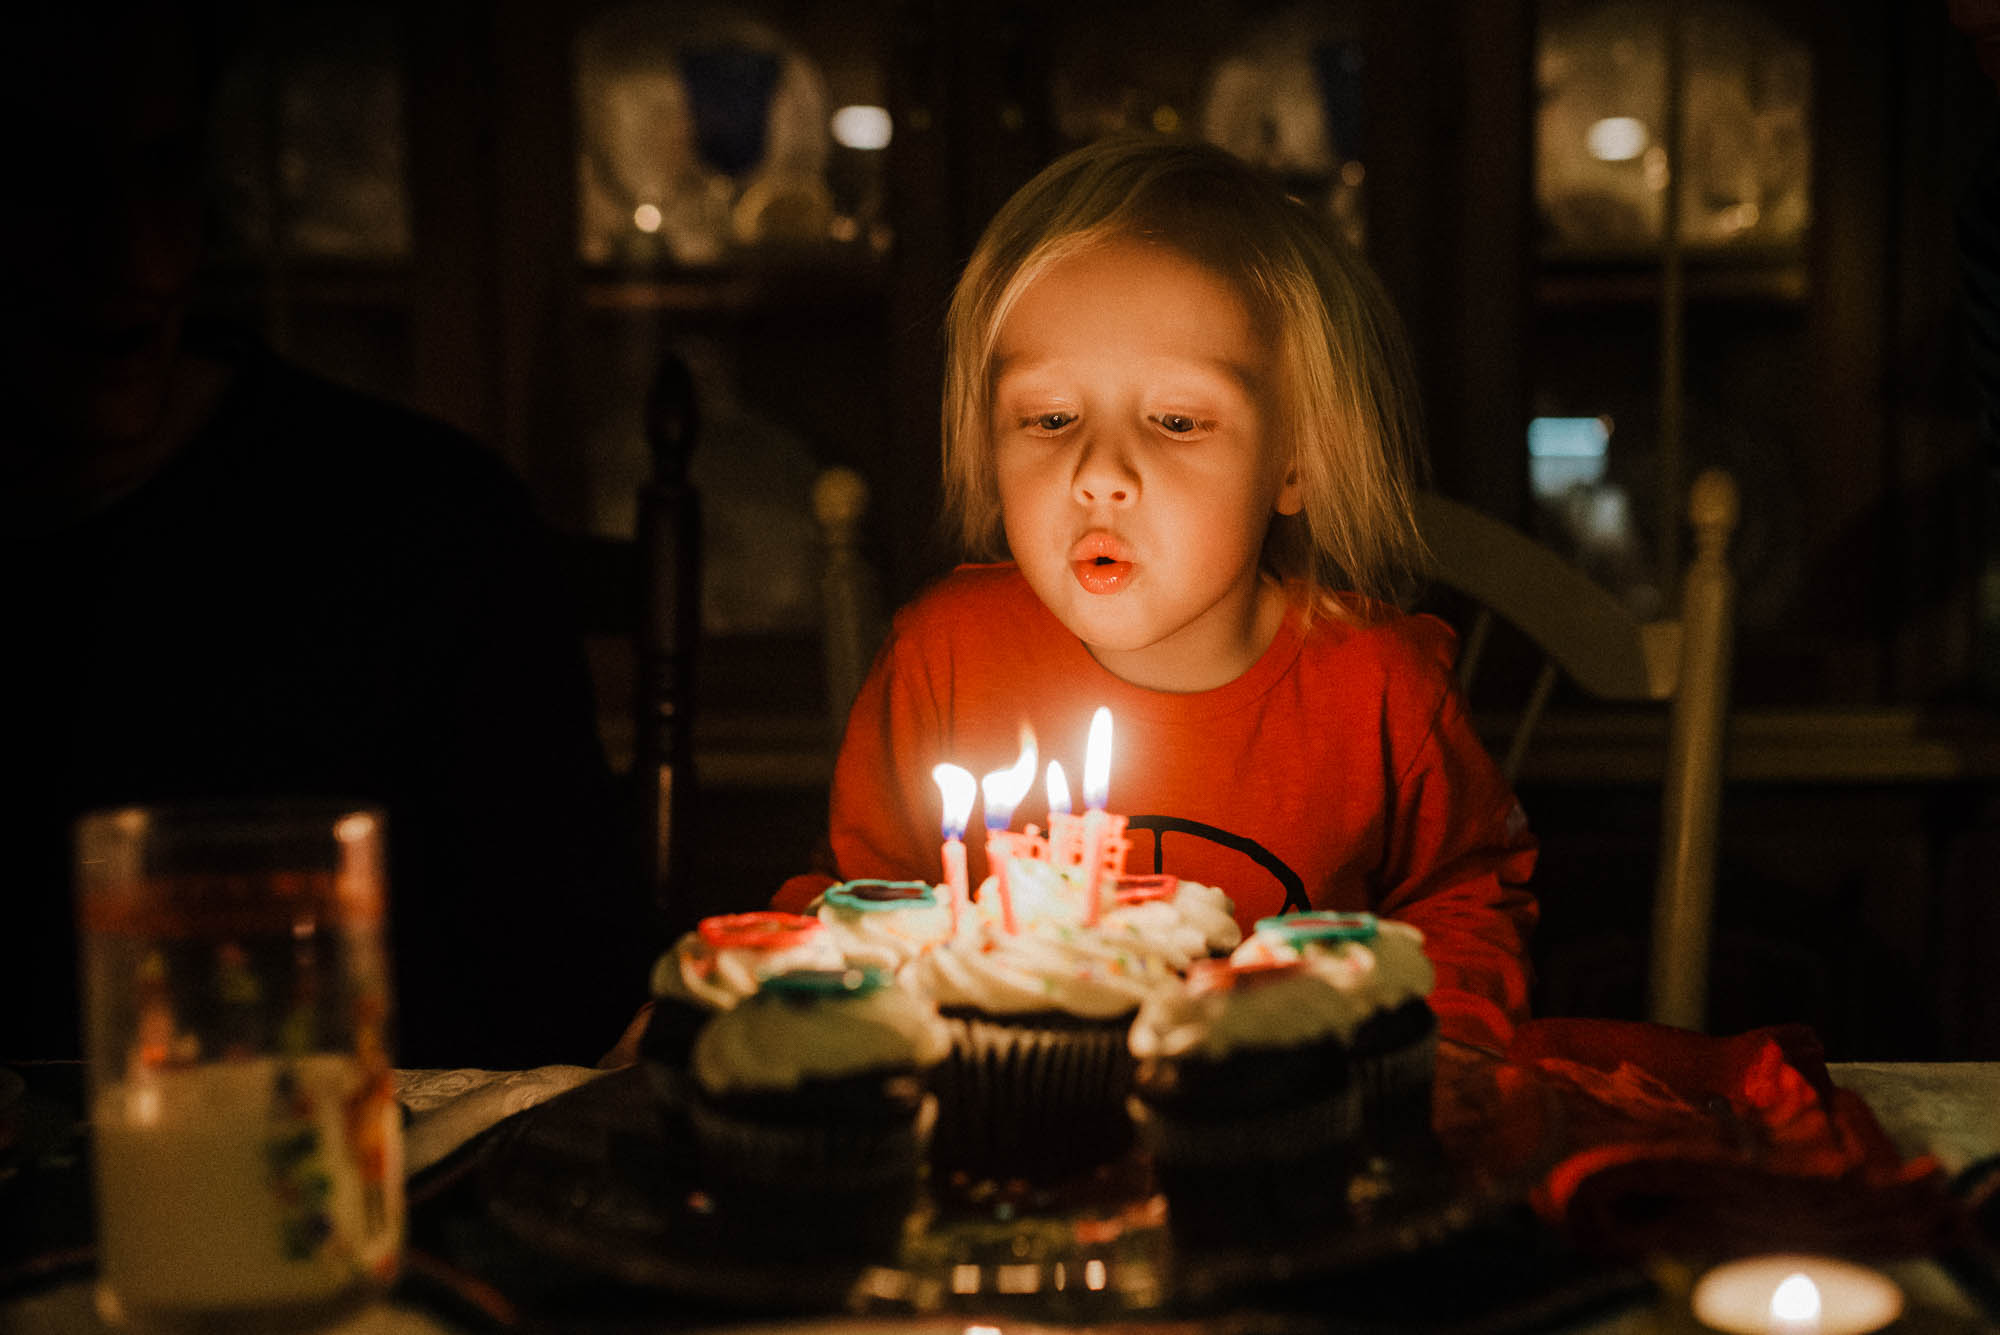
[[1796, 1295], [956, 789], [1102, 832], [1003, 790]]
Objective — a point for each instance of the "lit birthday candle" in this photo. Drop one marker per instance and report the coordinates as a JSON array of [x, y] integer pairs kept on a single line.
[[1003, 790], [1103, 833], [1065, 830], [956, 787]]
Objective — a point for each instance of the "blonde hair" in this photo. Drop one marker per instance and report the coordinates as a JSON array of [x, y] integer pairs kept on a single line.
[[1346, 389]]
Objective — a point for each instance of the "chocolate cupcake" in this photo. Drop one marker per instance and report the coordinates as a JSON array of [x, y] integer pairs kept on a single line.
[[1381, 963], [1245, 1100], [812, 1113], [1039, 1069]]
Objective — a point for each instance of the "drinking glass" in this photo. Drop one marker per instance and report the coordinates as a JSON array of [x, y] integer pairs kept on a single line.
[[247, 1145]]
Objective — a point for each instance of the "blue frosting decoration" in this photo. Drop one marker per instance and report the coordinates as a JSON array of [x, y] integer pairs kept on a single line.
[[876, 896], [856, 980]]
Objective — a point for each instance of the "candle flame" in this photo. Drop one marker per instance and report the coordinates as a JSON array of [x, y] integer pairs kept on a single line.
[[1796, 1300], [956, 787], [1058, 788], [1004, 788], [1097, 761]]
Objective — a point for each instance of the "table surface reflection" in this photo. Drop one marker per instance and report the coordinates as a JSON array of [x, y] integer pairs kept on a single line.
[[1948, 1109]]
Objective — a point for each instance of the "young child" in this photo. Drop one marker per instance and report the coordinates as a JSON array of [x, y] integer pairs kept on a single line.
[[1183, 409]]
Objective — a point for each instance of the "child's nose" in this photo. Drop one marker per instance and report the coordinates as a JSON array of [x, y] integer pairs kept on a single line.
[[1104, 476]]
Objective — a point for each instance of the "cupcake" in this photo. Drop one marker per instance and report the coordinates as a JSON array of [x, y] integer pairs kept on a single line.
[[885, 924], [811, 1113], [1394, 1044], [722, 961], [1244, 1097], [1035, 1084]]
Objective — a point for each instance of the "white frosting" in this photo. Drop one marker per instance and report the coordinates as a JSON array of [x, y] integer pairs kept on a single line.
[[695, 971], [887, 938], [1199, 921], [776, 1042], [1318, 1001], [1040, 891], [1048, 965], [1385, 971]]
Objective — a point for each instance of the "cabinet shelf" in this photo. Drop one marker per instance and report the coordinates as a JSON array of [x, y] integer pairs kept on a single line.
[[344, 285], [816, 281], [1577, 281]]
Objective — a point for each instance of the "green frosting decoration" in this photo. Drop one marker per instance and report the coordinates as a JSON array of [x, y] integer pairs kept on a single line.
[[1320, 925]]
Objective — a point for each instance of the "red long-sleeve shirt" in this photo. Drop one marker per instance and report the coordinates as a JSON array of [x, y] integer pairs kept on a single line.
[[1343, 756]]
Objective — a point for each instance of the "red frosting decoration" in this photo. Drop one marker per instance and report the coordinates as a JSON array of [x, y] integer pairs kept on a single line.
[[1140, 889], [1223, 975], [763, 930]]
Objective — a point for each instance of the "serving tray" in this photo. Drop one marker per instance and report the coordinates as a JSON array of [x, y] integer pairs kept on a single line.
[[604, 1179]]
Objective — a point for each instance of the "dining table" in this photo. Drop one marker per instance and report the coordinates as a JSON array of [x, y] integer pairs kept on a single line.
[[458, 1124]]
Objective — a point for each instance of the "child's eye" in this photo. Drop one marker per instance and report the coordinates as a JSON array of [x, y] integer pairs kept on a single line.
[[1048, 421], [1180, 424]]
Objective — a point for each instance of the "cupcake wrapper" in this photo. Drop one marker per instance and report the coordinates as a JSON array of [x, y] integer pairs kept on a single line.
[[1022, 1100], [829, 1156], [1272, 1136], [1396, 1085]]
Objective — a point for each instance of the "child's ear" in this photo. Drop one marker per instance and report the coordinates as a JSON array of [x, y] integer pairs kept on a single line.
[[1291, 496]]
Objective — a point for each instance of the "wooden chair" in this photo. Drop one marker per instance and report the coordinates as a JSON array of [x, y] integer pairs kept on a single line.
[[851, 615], [668, 558], [669, 634], [1585, 633]]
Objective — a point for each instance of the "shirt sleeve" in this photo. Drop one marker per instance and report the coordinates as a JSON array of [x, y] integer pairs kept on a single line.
[[1460, 855]]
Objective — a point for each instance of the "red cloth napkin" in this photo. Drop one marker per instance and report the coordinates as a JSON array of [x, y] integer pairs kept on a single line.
[[1679, 1142]]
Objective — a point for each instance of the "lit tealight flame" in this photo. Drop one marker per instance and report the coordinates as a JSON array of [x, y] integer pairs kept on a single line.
[[1004, 788], [1097, 760], [1795, 1303], [647, 218], [1058, 788], [956, 787]]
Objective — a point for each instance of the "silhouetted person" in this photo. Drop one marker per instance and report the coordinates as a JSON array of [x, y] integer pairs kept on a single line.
[[227, 577]]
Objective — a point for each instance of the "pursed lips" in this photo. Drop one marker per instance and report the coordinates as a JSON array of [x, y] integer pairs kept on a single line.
[[1101, 563]]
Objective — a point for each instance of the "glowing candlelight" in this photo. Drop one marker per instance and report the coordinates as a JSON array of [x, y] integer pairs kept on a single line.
[[1065, 830], [1100, 829], [1097, 761], [1796, 1295], [1795, 1304], [1003, 790], [956, 788]]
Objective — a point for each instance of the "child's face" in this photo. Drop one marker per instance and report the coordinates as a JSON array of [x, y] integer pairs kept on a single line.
[[1139, 463]]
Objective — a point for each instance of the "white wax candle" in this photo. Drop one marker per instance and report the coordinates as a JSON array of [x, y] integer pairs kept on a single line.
[[1003, 790], [956, 787], [1794, 1295], [1096, 792]]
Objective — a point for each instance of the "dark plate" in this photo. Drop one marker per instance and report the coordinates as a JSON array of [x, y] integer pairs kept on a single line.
[[601, 1178]]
